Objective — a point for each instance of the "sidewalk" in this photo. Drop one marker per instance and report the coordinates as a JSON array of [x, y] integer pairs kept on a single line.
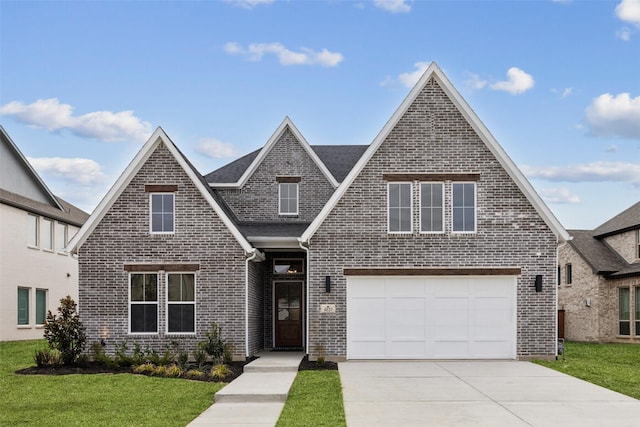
[[256, 397]]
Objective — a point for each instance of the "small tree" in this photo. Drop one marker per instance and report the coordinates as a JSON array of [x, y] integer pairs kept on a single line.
[[65, 332], [214, 344]]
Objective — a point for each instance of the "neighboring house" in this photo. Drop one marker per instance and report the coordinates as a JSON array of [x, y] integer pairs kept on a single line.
[[427, 243], [35, 227], [599, 281]]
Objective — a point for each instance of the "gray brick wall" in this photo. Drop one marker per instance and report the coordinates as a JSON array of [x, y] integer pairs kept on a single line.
[[433, 137], [200, 237], [258, 199]]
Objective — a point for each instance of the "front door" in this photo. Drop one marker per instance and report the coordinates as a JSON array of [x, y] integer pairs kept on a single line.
[[288, 314]]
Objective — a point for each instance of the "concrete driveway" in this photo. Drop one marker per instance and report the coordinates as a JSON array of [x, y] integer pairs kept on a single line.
[[477, 393]]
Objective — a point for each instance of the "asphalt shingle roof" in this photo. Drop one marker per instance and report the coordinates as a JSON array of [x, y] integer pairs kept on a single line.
[[625, 220], [601, 258]]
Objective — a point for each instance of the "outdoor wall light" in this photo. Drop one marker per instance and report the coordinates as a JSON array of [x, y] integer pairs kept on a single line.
[[539, 283], [103, 342], [327, 284]]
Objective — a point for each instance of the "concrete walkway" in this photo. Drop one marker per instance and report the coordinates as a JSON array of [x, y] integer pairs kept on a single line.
[[256, 397], [479, 393]]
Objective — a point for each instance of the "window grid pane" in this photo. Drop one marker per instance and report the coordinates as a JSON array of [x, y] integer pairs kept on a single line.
[[464, 212], [288, 198], [181, 303], [144, 302], [399, 196], [162, 212], [432, 206]]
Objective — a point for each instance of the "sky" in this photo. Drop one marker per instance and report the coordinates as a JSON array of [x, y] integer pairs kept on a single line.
[[83, 84]]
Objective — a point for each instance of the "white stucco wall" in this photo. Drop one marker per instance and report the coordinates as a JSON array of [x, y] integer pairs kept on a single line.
[[33, 268]]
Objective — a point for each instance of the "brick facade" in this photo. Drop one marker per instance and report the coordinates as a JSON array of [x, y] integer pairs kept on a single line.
[[433, 137]]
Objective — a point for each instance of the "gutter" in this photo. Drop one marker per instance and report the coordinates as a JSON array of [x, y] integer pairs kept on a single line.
[[304, 245], [251, 256]]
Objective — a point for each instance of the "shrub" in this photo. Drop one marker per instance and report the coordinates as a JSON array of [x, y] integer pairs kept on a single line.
[[145, 368], [138, 357], [160, 370], [173, 371], [121, 358], [200, 356], [227, 357], [48, 357], [220, 371], [65, 332], [214, 344], [195, 374], [99, 356]]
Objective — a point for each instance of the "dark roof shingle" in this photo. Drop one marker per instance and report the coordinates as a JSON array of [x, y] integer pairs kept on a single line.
[[601, 258], [625, 220]]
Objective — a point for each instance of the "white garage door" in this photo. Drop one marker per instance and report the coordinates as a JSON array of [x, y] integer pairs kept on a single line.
[[431, 317]]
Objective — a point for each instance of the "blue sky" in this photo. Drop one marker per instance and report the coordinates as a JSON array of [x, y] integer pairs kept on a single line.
[[84, 84]]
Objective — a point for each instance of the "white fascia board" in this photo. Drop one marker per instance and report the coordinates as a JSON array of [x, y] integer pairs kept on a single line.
[[267, 148], [434, 71], [269, 242]]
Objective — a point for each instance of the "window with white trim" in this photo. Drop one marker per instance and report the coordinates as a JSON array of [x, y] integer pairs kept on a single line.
[[61, 237], [33, 231], [431, 207], [24, 295], [399, 207], [143, 303], [162, 213], [46, 234], [181, 303], [624, 311], [464, 207], [288, 198], [41, 306]]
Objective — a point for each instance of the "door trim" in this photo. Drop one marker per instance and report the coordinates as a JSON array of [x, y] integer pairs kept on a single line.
[[274, 311]]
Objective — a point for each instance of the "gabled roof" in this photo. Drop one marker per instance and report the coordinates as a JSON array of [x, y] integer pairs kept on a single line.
[[434, 71], [601, 258], [33, 175], [340, 159], [68, 214], [221, 177], [626, 220], [158, 137]]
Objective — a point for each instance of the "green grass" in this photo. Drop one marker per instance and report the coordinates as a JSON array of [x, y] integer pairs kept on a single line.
[[315, 399], [613, 366], [94, 399]]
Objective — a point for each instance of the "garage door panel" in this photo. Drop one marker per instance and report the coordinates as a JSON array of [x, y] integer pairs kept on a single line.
[[431, 317]]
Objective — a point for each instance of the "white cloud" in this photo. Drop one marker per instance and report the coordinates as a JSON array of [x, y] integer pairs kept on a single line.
[[611, 116], [475, 82], [629, 11], [249, 4], [305, 56], [517, 82], [407, 79], [393, 6], [211, 147], [559, 195], [75, 170], [624, 33], [588, 172], [51, 115]]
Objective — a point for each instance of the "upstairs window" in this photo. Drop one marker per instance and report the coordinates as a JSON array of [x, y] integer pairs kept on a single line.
[[61, 236], [288, 198], [33, 230], [46, 233], [162, 213], [638, 246], [288, 266], [143, 303], [399, 207], [464, 207], [431, 208], [569, 273]]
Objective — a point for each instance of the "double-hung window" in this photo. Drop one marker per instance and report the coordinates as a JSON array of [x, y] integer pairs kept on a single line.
[[33, 230], [464, 207], [288, 198], [143, 302], [181, 303], [24, 295], [624, 321], [431, 207], [41, 306], [162, 213], [399, 207]]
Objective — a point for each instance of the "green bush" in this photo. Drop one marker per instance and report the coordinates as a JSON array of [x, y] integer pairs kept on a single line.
[[200, 356], [48, 357], [138, 357], [173, 371], [195, 374], [214, 345], [220, 371], [145, 368], [65, 331]]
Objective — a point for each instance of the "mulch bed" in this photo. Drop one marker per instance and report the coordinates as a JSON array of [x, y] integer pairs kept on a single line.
[[307, 365]]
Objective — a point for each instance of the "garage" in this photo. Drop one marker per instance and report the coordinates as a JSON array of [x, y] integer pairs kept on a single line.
[[455, 317]]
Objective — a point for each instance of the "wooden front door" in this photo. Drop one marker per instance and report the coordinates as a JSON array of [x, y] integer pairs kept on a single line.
[[288, 314]]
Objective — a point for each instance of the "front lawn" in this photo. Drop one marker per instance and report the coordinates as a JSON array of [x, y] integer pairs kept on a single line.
[[613, 366], [94, 399], [315, 399]]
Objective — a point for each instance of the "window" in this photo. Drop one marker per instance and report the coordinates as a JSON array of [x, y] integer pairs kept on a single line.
[[638, 253], [181, 306], [143, 300], [61, 236], [400, 205], [46, 233], [288, 266], [162, 213], [637, 311], [464, 207], [623, 311], [23, 306], [32, 230], [559, 275], [288, 195], [41, 306], [569, 273], [431, 208]]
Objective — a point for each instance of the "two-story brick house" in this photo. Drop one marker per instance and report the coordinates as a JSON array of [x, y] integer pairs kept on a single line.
[[599, 281], [427, 243]]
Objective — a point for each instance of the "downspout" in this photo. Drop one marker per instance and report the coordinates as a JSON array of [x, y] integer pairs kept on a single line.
[[306, 300], [558, 247], [255, 254]]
